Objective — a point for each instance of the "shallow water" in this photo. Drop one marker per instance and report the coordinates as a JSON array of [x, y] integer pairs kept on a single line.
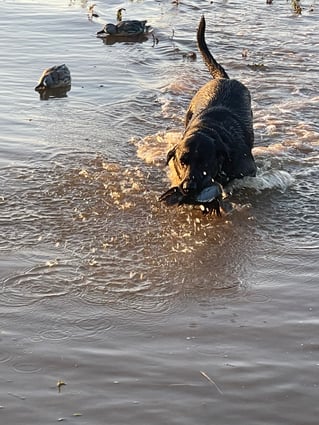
[[150, 314]]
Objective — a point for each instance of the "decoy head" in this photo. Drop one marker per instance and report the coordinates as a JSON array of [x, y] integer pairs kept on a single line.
[[110, 29]]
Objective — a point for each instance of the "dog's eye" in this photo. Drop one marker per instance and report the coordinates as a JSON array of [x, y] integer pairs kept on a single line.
[[184, 160]]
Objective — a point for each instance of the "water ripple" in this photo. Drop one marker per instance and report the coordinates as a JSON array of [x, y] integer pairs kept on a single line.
[[55, 334], [91, 326], [39, 283], [25, 366], [5, 356]]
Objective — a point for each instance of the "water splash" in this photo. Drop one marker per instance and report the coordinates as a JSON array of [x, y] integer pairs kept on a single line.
[[265, 180]]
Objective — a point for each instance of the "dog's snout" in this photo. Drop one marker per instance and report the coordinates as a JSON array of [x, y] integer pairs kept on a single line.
[[189, 185]]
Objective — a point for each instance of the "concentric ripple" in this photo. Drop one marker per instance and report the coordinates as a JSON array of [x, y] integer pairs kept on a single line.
[[39, 283]]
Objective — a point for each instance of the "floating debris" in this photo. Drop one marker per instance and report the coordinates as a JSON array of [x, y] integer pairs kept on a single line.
[[257, 67], [296, 6], [60, 384], [119, 15], [91, 12], [211, 381]]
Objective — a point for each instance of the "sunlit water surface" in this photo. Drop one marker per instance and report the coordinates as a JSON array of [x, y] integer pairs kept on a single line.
[[152, 315]]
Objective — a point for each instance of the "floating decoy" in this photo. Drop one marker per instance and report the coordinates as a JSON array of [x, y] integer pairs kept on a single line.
[[125, 28], [57, 76]]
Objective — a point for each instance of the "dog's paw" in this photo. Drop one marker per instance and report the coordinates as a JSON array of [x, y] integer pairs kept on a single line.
[[212, 207]]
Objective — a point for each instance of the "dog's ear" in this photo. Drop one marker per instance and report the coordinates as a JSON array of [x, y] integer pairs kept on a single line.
[[170, 154]]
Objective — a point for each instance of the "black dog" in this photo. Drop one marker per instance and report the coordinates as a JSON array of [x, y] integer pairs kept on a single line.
[[218, 138]]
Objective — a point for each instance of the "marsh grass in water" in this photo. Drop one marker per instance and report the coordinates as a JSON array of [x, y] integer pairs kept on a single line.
[[296, 6]]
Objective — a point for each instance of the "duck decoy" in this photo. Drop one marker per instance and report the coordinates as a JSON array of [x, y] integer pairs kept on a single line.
[[125, 28], [57, 76]]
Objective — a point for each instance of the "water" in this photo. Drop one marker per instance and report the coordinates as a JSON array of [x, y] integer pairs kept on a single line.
[[150, 314]]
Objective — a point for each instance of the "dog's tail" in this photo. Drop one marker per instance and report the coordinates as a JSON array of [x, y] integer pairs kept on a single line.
[[216, 70]]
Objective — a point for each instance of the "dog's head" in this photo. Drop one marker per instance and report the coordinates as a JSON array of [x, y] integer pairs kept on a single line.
[[196, 161]]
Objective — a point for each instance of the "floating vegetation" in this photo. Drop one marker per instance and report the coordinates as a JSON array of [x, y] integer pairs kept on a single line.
[[92, 13], [244, 53], [257, 67], [60, 384], [296, 6], [190, 56]]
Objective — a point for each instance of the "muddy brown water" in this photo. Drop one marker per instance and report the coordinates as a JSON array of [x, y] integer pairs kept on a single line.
[[148, 314]]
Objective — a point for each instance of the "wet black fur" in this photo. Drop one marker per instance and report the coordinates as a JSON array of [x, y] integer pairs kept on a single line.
[[218, 138]]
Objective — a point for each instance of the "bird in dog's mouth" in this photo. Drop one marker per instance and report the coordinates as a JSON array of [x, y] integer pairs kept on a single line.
[[210, 198]]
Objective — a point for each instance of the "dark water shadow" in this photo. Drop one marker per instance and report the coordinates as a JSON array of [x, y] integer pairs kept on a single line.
[[59, 92], [112, 39]]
